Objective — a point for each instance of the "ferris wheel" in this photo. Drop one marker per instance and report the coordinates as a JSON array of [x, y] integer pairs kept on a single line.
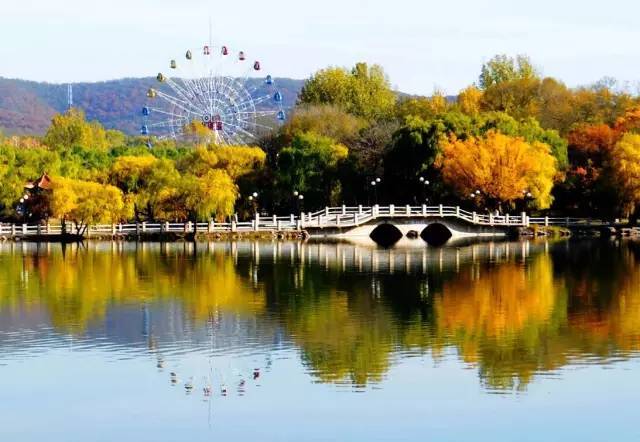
[[213, 92]]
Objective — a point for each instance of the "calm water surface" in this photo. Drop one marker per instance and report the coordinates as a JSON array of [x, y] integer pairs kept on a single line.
[[527, 341]]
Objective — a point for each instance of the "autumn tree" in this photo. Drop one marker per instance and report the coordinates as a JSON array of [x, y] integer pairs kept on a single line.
[[625, 164], [328, 120], [364, 91], [501, 167], [423, 107], [71, 129], [85, 203], [469, 100]]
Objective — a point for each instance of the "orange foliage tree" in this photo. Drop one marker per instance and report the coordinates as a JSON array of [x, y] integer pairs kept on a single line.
[[501, 167]]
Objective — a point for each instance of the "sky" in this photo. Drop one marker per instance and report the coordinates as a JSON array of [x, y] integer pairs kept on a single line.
[[422, 44]]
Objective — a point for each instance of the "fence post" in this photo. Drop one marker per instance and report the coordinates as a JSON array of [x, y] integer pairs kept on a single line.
[[256, 225], [24, 229], [299, 225], [490, 219], [360, 209], [279, 226], [113, 230], [457, 211], [166, 226], [546, 221], [13, 230], [424, 210], [506, 218], [441, 210], [392, 210], [524, 219], [344, 209], [275, 220], [475, 218], [408, 210], [212, 225], [293, 220], [144, 226], [234, 226], [48, 228], [355, 219]]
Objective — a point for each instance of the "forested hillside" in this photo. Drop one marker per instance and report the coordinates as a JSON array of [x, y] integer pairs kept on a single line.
[[26, 107]]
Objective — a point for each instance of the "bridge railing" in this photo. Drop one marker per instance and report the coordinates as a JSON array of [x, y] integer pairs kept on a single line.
[[341, 217]]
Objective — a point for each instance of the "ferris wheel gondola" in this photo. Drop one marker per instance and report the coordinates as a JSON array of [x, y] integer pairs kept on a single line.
[[218, 92]]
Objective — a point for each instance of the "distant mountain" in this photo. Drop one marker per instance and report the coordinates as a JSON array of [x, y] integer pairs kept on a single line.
[[26, 107]]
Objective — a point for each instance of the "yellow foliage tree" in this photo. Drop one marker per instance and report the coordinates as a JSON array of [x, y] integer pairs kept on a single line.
[[239, 160], [469, 100], [85, 203], [71, 129], [625, 163], [501, 167], [214, 193]]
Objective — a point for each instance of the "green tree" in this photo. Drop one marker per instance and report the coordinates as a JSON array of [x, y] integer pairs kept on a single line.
[[502, 68], [310, 166]]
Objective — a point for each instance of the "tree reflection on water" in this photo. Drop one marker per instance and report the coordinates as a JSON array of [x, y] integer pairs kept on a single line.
[[513, 310]]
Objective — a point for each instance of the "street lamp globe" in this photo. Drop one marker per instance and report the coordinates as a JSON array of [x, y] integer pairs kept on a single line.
[[255, 194], [296, 193], [26, 197], [251, 198], [378, 180], [422, 179], [300, 197], [21, 200], [477, 192], [373, 183], [426, 182]]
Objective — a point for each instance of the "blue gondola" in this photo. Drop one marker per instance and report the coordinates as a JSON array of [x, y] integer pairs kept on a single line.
[[269, 80], [282, 116], [145, 111], [278, 97], [144, 130]]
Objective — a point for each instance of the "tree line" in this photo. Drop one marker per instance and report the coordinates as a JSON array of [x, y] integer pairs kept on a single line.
[[514, 140]]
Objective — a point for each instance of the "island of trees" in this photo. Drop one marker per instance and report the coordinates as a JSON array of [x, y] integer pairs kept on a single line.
[[513, 140]]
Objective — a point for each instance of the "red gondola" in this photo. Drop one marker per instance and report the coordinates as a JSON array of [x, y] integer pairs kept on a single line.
[[225, 50], [256, 65], [206, 50], [241, 56], [218, 125]]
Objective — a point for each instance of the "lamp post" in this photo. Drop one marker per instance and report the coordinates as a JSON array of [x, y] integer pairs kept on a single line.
[[374, 184], [297, 200], [423, 189], [253, 200]]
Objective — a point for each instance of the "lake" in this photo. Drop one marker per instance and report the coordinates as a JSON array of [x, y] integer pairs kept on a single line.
[[290, 341]]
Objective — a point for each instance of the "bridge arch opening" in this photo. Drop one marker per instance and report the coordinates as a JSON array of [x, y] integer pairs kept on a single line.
[[386, 235], [436, 234]]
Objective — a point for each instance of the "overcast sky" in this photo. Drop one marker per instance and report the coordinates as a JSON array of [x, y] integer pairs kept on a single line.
[[422, 44]]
